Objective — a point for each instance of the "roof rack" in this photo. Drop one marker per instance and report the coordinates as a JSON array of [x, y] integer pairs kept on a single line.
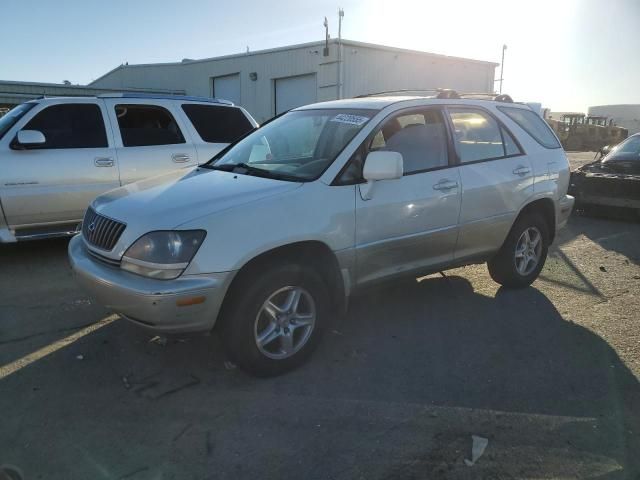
[[496, 97], [158, 96], [435, 92], [443, 93]]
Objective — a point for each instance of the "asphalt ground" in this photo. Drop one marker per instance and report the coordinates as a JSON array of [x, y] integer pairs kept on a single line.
[[549, 375]]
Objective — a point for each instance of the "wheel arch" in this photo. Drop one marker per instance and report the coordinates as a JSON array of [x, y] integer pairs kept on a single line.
[[546, 207], [312, 253]]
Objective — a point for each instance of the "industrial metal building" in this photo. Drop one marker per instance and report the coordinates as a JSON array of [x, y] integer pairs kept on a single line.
[[15, 93], [627, 116], [268, 82]]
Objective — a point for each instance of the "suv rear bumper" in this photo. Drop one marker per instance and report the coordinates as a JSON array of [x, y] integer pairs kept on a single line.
[[565, 206], [189, 303]]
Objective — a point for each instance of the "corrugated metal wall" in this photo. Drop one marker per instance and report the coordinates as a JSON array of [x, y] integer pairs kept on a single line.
[[365, 70], [368, 70]]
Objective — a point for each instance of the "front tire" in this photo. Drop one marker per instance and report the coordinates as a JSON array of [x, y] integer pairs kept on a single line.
[[523, 254], [274, 320]]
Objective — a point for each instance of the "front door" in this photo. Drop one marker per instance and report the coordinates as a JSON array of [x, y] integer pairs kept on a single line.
[[53, 183], [151, 139], [409, 224]]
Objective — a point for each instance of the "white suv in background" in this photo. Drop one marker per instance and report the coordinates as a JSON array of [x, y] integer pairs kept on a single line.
[[270, 239], [57, 154]]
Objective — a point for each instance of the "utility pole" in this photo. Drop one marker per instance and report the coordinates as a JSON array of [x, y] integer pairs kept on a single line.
[[326, 38], [504, 47], [339, 80]]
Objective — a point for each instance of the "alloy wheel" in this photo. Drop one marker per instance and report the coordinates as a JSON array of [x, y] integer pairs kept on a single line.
[[285, 322]]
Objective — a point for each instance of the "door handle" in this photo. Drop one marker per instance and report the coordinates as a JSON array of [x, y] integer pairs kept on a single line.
[[445, 185], [521, 170], [103, 162], [180, 157]]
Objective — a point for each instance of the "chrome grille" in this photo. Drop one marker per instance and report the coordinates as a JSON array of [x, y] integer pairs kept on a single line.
[[100, 231]]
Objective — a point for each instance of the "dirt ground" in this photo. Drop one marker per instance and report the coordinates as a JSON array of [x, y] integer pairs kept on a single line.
[[549, 375]]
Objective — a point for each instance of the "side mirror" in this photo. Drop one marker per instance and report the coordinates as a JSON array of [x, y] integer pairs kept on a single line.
[[383, 166], [29, 138], [380, 166], [605, 150]]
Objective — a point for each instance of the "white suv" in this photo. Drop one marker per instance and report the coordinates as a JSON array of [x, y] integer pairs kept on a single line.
[[57, 154], [270, 239]]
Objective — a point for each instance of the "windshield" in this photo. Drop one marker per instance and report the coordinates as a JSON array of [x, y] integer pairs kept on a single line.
[[9, 120], [630, 146], [299, 146]]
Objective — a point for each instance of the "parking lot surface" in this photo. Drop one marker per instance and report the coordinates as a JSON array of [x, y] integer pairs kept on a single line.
[[549, 375]]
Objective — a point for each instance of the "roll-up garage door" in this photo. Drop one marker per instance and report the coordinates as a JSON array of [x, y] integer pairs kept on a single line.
[[227, 88], [292, 92]]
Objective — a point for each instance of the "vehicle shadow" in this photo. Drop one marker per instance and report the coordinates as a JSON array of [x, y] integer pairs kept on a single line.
[[618, 233], [396, 390]]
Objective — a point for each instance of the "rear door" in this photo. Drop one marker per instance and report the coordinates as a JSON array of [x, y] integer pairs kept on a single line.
[[496, 176], [151, 138], [213, 127], [54, 183]]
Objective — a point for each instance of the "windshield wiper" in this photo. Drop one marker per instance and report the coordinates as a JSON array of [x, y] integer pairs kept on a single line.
[[251, 170]]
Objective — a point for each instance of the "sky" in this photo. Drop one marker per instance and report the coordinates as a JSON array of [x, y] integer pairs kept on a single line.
[[565, 54]]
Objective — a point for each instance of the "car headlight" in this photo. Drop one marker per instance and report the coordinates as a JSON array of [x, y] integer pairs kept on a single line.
[[163, 255]]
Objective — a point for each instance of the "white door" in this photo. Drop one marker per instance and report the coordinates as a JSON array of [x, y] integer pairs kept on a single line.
[[410, 224], [496, 176], [292, 92], [151, 138], [53, 183], [227, 88]]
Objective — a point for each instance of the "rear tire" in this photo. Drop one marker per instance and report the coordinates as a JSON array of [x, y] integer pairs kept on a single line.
[[523, 254], [263, 331]]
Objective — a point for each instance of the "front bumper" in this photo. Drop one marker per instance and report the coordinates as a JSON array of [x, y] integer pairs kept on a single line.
[[154, 304], [565, 206]]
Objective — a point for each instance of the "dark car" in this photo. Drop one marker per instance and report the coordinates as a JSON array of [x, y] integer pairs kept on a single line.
[[611, 181]]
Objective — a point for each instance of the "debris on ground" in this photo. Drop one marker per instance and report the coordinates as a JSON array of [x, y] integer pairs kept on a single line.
[[602, 268], [79, 357], [479, 444], [229, 365], [158, 340], [337, 332], [125, 382]]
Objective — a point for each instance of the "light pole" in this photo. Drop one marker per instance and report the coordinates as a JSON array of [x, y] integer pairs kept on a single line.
[[504, 47]]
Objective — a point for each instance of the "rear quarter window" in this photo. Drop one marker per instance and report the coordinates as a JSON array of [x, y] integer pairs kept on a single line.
[[217, 124], [533, 124]]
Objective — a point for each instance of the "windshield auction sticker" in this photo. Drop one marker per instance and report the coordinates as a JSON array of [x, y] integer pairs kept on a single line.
[[349, 119]]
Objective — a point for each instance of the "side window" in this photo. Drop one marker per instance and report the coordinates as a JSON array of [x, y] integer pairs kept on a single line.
[[217, 124], [510, 145], [421, 138], [533, 124], [477, 135], [144, 125], [70, 125]]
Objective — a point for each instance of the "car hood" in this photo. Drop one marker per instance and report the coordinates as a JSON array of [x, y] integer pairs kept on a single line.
[[166, 201]]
